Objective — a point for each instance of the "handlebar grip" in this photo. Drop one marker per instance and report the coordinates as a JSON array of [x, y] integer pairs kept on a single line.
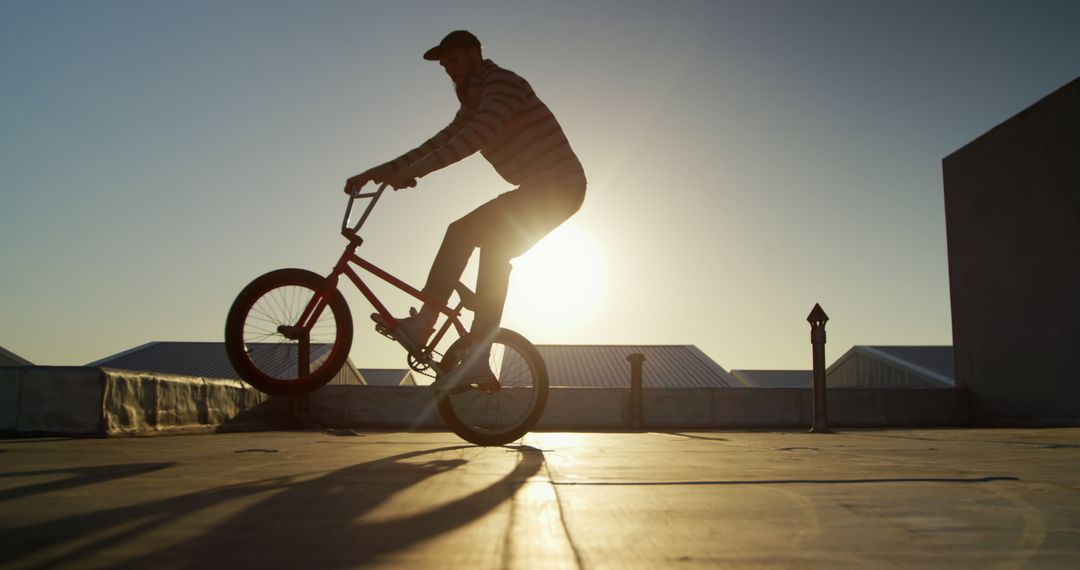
[[348, 229], [359, 192]]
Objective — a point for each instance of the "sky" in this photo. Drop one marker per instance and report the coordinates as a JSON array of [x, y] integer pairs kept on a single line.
[[746, 159]]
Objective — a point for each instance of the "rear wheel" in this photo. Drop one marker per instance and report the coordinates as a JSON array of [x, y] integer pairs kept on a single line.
[[505, 410], [265, 344]]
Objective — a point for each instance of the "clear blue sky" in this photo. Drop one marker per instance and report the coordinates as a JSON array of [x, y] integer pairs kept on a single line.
[[746, 159]]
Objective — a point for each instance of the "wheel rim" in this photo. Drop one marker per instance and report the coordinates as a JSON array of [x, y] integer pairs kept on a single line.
[[502, 406], [270, 344]]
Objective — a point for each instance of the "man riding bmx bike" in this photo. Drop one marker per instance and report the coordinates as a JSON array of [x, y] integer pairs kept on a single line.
[[501, 117]]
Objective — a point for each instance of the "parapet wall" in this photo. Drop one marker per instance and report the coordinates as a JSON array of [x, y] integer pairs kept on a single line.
[[413, 407], [103, 401]]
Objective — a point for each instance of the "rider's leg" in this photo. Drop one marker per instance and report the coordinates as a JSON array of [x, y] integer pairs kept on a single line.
[[492, 284], [462, 237], [533, 214], [457, 247], [507, 226]]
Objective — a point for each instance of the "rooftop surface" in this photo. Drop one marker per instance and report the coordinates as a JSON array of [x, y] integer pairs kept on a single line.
[[961, 498]]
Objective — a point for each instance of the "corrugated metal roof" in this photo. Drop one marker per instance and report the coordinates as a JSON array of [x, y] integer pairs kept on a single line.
[[208, 359], [884, 366], [937, 359], [387, 376], [775, 378], [605, 366], [8, 358]]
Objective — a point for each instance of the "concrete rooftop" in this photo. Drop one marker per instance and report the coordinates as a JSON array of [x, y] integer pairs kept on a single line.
[[956, 498]]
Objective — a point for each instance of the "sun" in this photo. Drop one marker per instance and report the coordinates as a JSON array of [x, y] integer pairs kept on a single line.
[[559, 284]]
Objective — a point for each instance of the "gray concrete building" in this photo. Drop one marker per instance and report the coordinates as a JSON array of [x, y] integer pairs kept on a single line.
[[1012, 208]]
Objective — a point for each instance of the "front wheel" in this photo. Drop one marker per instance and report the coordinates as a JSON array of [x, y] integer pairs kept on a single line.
[[505, 410], [266, 343]]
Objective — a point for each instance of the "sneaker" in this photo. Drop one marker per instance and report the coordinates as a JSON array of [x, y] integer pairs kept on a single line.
[[474, 372], [413, 330]]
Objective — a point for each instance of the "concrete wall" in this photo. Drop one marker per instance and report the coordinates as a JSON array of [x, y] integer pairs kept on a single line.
[[103, 401], [408, 407], [1012, 207], [413, 407], [96, 401], [586, 408], [51, 399], [762, 407]]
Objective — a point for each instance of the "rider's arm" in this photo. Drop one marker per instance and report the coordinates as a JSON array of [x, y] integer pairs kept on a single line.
[[429, 145], [501, 96]]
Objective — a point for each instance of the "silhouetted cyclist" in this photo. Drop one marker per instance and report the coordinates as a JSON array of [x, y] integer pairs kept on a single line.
[[501, 117]]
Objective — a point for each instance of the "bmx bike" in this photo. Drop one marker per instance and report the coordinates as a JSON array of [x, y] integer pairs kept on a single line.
[[289, 332]]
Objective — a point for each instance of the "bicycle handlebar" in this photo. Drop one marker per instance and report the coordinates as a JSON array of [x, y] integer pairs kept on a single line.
[[351, 231]]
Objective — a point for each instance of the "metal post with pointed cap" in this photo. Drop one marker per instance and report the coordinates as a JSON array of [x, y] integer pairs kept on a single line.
[[302, 402], [817, 320], [637, 361]]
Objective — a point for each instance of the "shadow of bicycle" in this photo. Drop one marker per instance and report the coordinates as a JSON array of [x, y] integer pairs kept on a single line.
[[317, 522]]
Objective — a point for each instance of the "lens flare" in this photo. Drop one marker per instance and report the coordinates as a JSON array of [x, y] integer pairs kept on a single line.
[[559, 284]]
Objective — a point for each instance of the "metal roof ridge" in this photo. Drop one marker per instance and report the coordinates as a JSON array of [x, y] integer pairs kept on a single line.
[[14, 357], [101, 361], [911, 366], [712, 365], [187, 342], [843, 358], [772, 370], [611, 345], [883, 346]]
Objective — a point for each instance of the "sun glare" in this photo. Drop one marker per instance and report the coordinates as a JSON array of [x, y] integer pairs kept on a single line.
[[560, 283]]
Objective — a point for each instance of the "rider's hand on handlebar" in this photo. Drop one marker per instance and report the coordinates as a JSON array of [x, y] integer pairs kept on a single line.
[[354, 184], [397, 179]]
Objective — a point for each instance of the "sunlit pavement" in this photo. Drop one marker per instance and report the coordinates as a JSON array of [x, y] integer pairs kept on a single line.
[[860, 499]]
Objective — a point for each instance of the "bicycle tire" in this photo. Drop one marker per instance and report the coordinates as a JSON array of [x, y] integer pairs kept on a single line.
[[263, 356], [521, 371]]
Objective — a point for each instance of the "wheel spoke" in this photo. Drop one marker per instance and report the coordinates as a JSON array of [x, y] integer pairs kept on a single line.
[[507, 407], [262, 353], [252, 340], [271, 308], [520, 407], [476, 401]]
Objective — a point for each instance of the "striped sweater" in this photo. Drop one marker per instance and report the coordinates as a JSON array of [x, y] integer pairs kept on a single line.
[[501, 117]]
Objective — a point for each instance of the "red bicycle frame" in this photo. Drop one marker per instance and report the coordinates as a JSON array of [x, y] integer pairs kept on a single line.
[[343, 266]]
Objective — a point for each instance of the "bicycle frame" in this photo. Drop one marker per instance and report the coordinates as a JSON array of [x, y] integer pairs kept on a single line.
[[344, 267]]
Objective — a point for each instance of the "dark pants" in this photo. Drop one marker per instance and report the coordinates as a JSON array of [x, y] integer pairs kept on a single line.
[[503, 229]]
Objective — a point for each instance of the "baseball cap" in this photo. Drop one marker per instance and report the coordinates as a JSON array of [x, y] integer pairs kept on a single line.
[[459, 39]]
